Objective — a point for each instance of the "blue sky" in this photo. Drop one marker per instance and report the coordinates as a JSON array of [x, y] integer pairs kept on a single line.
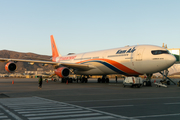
[[87, 25]]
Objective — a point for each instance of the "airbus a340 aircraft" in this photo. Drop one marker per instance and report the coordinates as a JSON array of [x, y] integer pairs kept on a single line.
[[130, 61]]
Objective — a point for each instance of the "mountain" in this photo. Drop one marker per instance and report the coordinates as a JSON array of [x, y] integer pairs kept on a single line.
[[22, 66]]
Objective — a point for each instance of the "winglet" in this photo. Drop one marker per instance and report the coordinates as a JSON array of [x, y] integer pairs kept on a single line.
[[55, 52]]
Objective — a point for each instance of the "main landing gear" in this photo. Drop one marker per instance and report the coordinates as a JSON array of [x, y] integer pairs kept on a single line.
[[84, 79], [104, 79], [69, 80]]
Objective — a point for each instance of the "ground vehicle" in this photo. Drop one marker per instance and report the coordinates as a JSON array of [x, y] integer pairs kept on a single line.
[[133, 81], [51, 79], [165, 82]]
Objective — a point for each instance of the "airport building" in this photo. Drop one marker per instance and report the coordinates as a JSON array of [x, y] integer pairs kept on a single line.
[[175, 69], [175, 52]]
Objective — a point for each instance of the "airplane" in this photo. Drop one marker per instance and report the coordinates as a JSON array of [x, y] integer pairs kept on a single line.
[[129, 61]]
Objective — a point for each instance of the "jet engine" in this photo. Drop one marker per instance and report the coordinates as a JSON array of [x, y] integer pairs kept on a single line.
[[10, 67], [62, 72]]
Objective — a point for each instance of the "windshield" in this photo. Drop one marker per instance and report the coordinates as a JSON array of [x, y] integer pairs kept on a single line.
[[157, 52]]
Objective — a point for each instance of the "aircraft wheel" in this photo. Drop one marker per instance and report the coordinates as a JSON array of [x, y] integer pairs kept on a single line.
[[82, 80], [148, 83], [107, 80], [86, 80], [70, 80], [168, 82], [103, 80], [144, 83], [62, 80], [99, 80]]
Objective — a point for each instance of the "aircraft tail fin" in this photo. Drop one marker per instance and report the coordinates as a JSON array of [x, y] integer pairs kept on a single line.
[[55, 52]]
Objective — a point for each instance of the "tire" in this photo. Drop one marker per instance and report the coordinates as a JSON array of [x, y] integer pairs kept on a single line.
[[86, 80], [168, 82], [149, 83], [82, 80], [99, 80], [55, 80], [62, 80], [103, 80], [70, 80], [144, 83], [107, 80]]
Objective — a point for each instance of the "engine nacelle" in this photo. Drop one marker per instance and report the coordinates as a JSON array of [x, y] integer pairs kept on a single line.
[[10, 67], [62, 72]]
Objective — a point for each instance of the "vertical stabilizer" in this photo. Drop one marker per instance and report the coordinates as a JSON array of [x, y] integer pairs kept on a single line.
[[55, 52]]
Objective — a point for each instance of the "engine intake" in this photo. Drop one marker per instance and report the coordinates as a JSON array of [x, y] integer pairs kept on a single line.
[[62, 72], [10, 67]]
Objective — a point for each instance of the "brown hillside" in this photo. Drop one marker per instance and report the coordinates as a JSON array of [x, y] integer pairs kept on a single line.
[[22, 66]]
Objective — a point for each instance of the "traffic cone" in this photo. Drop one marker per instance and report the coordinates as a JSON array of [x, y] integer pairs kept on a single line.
[[66, 81], [13, 82], [47, 81]]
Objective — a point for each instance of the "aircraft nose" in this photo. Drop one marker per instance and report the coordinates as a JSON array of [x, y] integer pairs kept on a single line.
[[170, 60]]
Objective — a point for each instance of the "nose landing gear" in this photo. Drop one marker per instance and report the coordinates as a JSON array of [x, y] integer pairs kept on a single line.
[[147, 82]]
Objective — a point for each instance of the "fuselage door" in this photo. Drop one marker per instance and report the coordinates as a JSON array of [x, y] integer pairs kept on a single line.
[[137, 60], [139, 54]]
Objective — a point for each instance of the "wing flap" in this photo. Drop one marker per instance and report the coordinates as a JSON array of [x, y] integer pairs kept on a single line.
[[78, 66]]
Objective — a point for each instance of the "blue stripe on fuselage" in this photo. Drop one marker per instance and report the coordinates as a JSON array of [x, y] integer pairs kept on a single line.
[[109, 66]]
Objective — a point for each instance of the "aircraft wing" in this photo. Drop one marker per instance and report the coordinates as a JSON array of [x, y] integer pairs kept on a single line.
[[30, 61], [69, 65]]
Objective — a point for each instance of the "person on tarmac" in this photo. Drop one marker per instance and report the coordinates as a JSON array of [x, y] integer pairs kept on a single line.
[[40, 82]]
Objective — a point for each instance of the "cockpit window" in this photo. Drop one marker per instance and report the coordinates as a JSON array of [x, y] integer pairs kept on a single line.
[[157, 52]]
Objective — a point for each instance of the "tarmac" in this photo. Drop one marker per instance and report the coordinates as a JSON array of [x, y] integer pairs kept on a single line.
[[23, 100]]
